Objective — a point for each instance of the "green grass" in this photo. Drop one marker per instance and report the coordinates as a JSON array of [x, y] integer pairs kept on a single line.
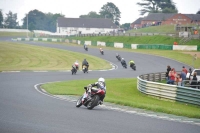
[[124, 92], [14, 34], [15, 56], [155, 29], [158, 39]]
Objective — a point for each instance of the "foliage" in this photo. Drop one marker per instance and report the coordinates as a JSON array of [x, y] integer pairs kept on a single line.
[[126, 26], [38, 20], [111, 11], [156, 6], [91, 14], [1, 19], [198, 12], [11, 20]]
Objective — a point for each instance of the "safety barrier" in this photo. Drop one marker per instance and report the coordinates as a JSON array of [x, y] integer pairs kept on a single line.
[[146, 85], [116, 44]]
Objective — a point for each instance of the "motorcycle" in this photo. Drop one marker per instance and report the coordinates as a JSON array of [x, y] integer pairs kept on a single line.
[[124, 65], [133, 67], [74, 70], [119, 58], [91, 100], [85, 69], [101, 51], [86, 48]]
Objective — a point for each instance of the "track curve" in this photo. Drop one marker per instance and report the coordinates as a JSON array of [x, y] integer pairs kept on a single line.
[[22, 109]]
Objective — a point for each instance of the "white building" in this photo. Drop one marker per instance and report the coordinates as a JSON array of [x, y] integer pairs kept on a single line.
[[73, 26]]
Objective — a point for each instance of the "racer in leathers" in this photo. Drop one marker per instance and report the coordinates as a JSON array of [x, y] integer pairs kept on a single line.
[[100, 84]]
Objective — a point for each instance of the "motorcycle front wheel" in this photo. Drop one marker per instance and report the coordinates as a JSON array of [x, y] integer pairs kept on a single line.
[[79, 102]]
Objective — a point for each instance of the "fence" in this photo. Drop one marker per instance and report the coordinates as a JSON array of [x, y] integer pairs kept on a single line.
[[172, 92], [128, 34]]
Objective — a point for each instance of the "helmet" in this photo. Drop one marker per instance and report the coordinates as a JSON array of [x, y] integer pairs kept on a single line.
[[101, 80], [122, 58]]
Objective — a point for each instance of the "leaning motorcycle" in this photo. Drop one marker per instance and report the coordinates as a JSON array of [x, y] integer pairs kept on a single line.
[[85, 69], [74, 70], [102, 52], [92, 100], [86, 48], [133, 67], [119, 58]]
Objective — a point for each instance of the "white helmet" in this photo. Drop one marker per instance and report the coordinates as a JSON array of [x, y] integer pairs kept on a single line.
[[122, 58], [101, 80]]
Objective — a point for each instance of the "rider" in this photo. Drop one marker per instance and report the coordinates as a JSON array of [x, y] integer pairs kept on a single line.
[[123, 62], [84, 46], [100, 49], [100, 84], [76, 65], [131, 63], [85, 63]]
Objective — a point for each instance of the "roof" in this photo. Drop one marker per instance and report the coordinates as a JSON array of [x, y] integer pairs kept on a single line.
[[86, 22], [193, 16], [158, 16], [138, 21]]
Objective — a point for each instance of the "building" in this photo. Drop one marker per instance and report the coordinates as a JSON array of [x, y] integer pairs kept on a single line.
[[137, 23], [73, 26], [168, 19]]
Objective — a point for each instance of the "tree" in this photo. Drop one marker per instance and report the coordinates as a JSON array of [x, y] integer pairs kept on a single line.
[[11, 20], [38, 20], [198, 12], [157, 6], [91, 14], [126, 26], [1, 19], [109, 10]]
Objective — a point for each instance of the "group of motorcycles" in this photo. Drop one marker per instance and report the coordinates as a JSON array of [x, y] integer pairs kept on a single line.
[[101, 50], [133, 66]]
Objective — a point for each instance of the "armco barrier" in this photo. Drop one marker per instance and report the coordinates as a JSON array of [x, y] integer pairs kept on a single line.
[[172, 92]]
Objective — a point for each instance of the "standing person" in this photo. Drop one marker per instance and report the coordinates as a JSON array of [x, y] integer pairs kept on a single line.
[[167, 73], [185, 70], [194, 80], [178, 80], [172, 76], [183, 76]]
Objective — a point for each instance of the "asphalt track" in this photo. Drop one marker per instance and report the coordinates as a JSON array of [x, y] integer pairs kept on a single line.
[[25, 110]]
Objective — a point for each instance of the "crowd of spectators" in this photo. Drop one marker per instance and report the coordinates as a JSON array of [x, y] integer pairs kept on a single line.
[[172, 77]]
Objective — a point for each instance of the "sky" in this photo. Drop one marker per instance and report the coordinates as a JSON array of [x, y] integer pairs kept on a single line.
[[74, 8]]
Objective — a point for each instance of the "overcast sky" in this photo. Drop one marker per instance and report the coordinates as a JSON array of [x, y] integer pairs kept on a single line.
[[75, 8]]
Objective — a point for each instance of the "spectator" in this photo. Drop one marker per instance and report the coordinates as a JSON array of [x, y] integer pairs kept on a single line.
[[185, 70], [167, 73], [194, 80], [183, 76], [172, 76], [178, 80]]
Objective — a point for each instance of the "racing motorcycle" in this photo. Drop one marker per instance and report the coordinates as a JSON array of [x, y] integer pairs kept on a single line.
[[90, 100], [85, 69], [102, 52], [119, 57], [74, 70], [124, 65], [86, 48], [133, 67]]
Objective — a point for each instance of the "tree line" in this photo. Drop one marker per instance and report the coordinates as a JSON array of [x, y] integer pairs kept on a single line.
[[38, 20]]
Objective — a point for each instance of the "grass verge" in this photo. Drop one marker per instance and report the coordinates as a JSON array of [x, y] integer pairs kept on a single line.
[[16, 56], [124, 92]]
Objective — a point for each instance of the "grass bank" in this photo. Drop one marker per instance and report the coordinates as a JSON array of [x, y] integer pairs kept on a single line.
[[124, 92], [16, 56], [158, 39], [15, 34]]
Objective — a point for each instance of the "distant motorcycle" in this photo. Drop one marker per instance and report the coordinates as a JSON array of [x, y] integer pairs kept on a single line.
[[124, 65], [133, 66], [74, 70], [92, 99], [85, 69], [119, 57], [102, 52], [86, 48]]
